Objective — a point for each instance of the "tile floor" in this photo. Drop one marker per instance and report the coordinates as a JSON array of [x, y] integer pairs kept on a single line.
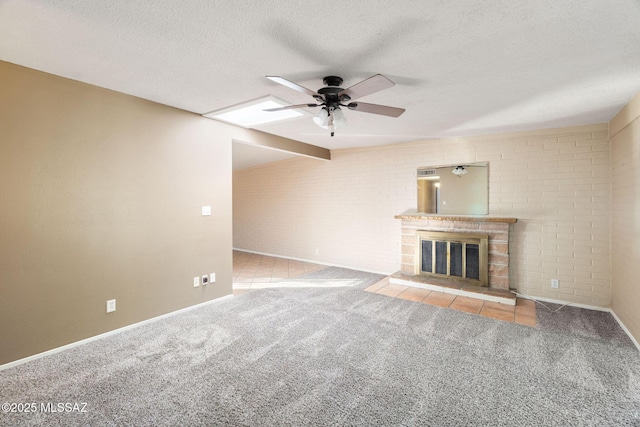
[[253, 271], [524, 312]]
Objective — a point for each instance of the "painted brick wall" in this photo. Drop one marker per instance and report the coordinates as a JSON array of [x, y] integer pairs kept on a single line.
[[625, 170], [556, 182]]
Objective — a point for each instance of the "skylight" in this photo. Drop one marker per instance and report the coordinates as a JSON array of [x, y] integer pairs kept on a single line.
[[251, 113]]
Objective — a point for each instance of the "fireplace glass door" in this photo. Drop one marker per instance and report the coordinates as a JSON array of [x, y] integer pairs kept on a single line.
[[453, 255]]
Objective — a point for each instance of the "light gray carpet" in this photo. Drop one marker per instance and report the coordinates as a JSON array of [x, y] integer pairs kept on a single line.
[[579, 321], [340, 356]]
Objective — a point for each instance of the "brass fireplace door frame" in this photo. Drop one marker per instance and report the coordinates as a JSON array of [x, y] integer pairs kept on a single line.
[[482, 240]]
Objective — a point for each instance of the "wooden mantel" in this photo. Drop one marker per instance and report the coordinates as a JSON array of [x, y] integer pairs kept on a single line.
[[465, 218]]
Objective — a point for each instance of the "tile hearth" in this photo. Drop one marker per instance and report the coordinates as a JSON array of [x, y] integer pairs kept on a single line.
[[523, 312], [454, 287]]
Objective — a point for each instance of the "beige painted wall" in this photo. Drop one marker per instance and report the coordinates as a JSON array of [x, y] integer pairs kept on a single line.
[[101, 198], [556, 182], [625, 252]]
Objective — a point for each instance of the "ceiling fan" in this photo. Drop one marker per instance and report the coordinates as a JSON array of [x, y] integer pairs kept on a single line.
[[332, 97]]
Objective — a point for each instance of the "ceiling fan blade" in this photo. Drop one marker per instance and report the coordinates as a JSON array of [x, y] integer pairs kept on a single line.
[[290, 107], [292, 85], [367, 87], [383, 110]]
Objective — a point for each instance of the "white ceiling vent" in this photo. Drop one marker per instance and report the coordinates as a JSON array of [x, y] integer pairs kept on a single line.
[[427, 172]]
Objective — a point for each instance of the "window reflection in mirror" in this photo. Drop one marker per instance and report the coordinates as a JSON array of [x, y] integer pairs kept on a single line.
[[460, 189]]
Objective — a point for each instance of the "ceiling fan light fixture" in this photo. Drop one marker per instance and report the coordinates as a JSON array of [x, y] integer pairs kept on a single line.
[[459, 171], [339, 120], [322, 118]]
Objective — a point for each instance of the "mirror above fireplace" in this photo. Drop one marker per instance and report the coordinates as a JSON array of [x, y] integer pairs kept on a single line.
[[458, 189]]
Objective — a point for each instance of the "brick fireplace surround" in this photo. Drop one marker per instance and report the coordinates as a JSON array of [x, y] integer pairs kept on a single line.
[[496, 228]]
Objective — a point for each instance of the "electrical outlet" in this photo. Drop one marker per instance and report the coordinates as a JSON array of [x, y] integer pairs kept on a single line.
[[205, 280], [555, 283], [206, 211], [196, 282], [212, 278], [111, 305]]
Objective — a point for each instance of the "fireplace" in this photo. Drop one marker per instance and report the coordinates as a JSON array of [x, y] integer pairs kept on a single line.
[[456, 238], [455, 256]]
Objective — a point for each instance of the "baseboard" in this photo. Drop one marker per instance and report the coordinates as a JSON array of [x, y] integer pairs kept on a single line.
[[624, 328], [107, 334], [311, 261], [561, 302]]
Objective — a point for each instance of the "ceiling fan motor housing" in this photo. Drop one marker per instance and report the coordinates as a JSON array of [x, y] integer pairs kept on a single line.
[[331, 92], [332, 81]]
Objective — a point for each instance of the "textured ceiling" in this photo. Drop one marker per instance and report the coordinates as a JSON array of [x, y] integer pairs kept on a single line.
[[461, 67]]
